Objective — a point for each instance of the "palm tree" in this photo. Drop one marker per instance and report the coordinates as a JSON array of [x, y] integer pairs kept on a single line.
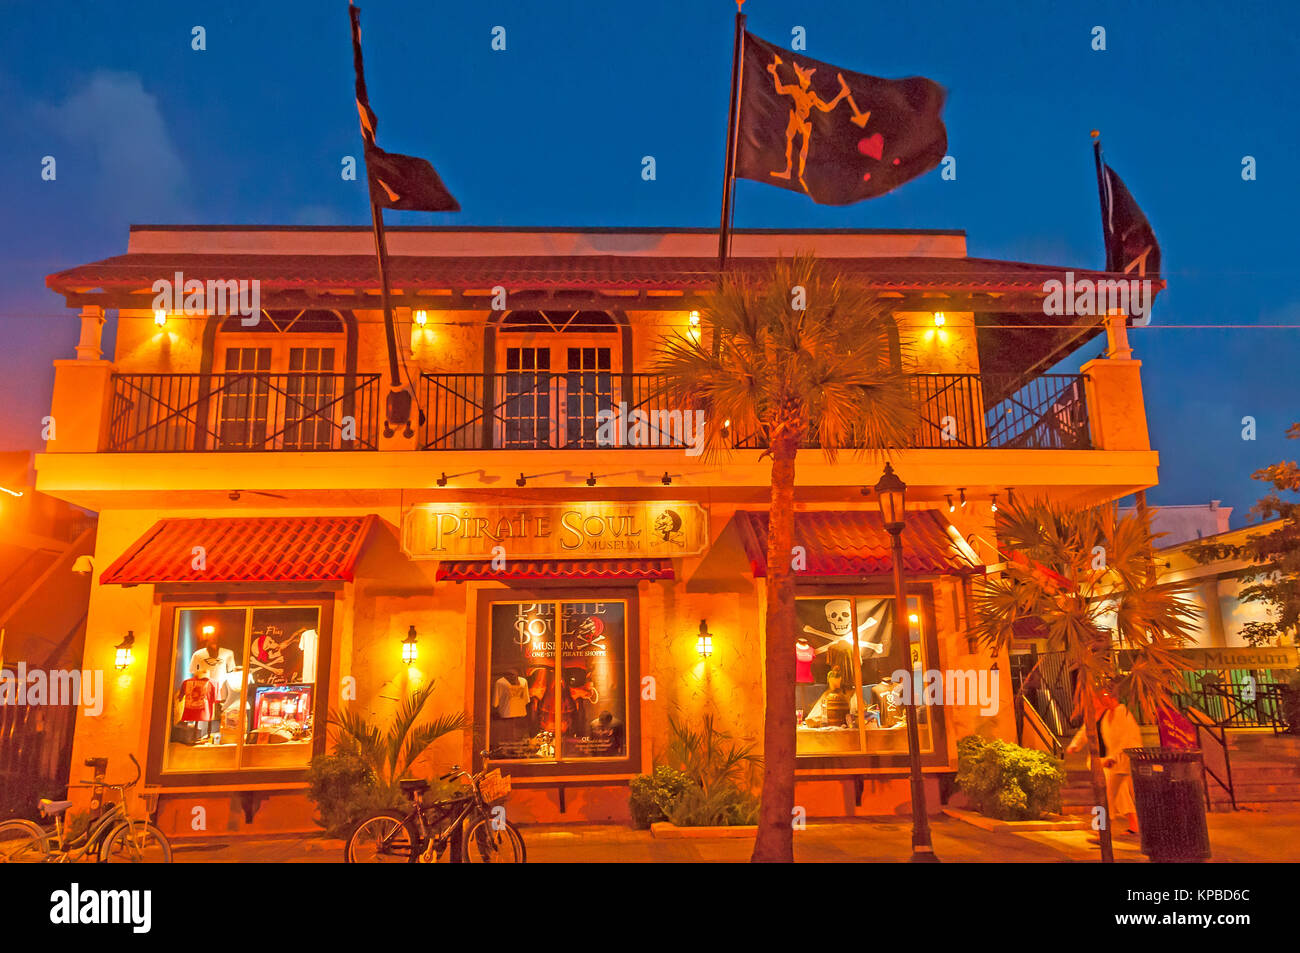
[[795, 356], [1084, 580], [389, 754]]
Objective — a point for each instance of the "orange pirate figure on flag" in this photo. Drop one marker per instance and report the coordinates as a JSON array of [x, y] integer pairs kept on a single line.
[[804, 102]]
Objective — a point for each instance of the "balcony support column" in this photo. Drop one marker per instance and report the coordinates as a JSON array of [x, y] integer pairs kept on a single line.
[[79, 410], [92, 328], [1116, 410]]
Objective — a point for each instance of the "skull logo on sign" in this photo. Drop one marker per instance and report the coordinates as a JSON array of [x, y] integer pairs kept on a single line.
[[840, 617]]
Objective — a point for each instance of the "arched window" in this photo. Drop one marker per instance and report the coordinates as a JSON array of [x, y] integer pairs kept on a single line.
[[280, 381]]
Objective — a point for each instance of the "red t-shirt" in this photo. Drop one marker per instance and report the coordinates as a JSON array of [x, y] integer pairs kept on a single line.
[[200, 699], [803, 656]]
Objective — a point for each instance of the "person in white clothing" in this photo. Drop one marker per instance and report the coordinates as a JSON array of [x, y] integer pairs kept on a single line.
[[1117, 730]]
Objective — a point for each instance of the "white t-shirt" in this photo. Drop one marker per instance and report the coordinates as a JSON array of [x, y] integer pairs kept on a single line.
[[215, 670], [510, 699]]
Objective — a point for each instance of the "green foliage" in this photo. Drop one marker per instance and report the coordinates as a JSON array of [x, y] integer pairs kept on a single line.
[[344, 790], [652, 792], [361, 774], [1273, 576], [707, 779], [1008, 782], [389, 754]]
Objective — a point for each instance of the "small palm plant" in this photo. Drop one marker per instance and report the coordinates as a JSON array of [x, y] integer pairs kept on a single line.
[[720, 771], [389, 754], [794, 357], [1084, 580]]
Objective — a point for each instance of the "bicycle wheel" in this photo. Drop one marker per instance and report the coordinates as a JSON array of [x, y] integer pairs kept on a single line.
[[494, 842], [385, 837], [135, 842], [24, 842]]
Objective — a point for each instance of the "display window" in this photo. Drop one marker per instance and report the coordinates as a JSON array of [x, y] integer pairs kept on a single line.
[[557, 681], [846, 655], [243, 688]]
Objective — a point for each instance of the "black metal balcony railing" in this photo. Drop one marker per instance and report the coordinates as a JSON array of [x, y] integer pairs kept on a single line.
[[563, 411], [251, 411]]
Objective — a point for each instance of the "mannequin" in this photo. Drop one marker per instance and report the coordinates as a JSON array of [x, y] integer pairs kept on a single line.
[[806, 692], [510, 708]]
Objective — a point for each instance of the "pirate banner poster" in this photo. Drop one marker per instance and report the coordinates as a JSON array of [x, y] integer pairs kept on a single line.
[[835, 135], [558, 682]]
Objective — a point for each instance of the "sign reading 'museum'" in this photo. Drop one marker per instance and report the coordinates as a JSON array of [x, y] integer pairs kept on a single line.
[[1266, 657], [562, 530]]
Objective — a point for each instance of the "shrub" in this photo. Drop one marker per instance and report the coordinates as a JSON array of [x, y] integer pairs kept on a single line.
[[344, 790], [1008, 782], [706, 780], [651, 793]]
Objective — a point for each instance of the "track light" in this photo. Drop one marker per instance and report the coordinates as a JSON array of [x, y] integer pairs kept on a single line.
[[522, 481], [1011, 495], [951, 508], [962, 492], [591, 480], [442, 480], [666, 480], [993, 507]]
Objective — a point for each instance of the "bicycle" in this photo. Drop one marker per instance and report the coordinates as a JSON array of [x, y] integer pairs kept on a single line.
[[111, 837], [464, 823]]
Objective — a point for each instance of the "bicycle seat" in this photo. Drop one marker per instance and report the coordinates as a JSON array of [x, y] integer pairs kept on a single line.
[[53, 808], [411, 786]]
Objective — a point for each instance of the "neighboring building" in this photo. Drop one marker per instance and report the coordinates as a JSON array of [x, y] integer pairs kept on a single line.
[[1175, 525], [246, 486], [1216, 590], [43, 604]]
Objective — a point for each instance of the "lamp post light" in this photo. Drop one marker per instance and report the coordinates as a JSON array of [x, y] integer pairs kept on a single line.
[[891, 493]]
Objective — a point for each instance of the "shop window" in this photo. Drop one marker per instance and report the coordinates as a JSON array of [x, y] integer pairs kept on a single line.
[[243, 688], [557, 689], [846, 701]]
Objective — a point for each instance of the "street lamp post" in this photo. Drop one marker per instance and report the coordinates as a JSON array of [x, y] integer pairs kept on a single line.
[[890, 492]]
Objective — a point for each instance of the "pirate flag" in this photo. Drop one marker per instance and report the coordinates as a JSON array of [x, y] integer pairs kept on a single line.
[[1128, 233], [396, 181], [837, 136]]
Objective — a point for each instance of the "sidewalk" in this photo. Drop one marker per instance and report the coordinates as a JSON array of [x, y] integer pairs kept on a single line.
[[1234, 838]]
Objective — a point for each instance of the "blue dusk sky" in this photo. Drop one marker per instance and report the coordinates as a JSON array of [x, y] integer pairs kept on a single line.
[[552, 131]]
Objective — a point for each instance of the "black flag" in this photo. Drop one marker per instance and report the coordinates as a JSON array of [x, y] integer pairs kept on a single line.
[[837, 136], [396, 181], [1128, 233]]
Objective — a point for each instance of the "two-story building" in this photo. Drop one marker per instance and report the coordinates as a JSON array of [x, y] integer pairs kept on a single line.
[[275, 555]]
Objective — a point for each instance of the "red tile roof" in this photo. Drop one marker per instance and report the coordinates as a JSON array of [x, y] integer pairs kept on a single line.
[[269, 549], [410, 273], [855, 543], [558, 569]]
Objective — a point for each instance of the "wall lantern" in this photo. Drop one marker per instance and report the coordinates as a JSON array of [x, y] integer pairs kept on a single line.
[[695, 319], [160, 317], [939, 319], [123, 653], [704, 644], [422, 318], [410, 651]]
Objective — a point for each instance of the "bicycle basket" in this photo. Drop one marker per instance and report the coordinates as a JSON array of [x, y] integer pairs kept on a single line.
[[493, 786]]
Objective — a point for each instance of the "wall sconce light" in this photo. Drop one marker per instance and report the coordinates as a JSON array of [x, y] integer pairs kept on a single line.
[[442, 480], [704, 644], [522, 481], [951, 508], [421, 318], [160, 317], [84, 565], [123, 652], [962, 492], [914, 618], [993, 507], [591, 480], [939, 319], [410, 651], [666, 480], [695, 320]]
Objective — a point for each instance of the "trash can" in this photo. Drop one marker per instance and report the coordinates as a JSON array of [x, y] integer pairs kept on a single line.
[[1168, 786]]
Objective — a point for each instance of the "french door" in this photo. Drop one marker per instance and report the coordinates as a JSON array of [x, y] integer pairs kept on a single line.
[[553, 396]]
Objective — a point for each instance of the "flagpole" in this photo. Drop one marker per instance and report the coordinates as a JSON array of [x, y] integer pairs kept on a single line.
[[733, 117], [1101, 194]]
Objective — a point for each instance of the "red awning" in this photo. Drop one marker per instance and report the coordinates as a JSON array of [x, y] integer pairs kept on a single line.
[[460, 570], [855, 543], [244, 549], [408, 272]]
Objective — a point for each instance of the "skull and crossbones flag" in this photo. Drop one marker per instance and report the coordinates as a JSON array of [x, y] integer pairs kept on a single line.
[[837, 136], [396, 181]]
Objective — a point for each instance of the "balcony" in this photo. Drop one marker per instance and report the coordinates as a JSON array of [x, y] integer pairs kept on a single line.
[[180, 413], [562, 411]]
